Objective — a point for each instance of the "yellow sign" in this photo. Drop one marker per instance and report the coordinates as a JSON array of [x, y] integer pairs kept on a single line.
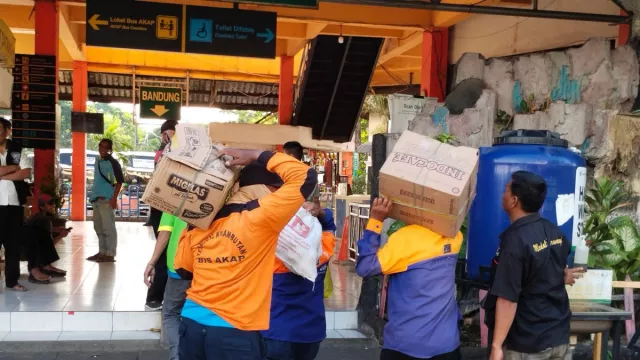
[[166, 27], [7, 46], [95, 23]]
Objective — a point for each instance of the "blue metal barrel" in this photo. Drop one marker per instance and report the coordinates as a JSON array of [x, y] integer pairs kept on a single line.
[[538, 151]]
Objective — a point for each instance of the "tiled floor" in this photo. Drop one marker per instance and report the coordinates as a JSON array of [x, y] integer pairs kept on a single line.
[[90, 286], [109, 298]]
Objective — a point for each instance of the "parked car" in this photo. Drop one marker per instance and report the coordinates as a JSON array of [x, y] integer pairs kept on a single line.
[[139, 168]]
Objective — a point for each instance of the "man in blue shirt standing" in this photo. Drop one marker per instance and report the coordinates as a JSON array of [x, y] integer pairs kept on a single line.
[[107, 183]]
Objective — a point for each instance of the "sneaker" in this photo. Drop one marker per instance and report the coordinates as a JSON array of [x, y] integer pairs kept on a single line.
[[154, 305]]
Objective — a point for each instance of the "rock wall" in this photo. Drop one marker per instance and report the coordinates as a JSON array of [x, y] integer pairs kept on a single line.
[[576, 92]]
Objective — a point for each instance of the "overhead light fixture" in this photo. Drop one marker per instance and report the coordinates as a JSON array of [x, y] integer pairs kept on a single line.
[[340, 38]]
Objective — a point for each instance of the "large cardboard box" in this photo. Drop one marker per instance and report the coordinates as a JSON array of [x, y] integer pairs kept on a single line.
[[192, 181], [430, 183]]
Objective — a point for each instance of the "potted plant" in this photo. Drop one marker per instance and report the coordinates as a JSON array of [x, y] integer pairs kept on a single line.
[[49, 186]]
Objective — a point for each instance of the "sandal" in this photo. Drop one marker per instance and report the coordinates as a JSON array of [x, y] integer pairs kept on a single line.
[[106, 259], [34, 280], [94, 257], [17, 288], [53, 273]]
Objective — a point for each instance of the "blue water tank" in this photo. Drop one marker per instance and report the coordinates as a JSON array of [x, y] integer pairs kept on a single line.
[[538, 151]]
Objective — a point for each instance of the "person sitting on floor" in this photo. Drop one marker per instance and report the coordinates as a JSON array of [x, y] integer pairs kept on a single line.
[[41, 250]]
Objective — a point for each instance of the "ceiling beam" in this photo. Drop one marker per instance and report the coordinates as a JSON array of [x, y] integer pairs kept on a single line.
[[443, 19], [350, 30], [336, 13], [395, 47], [17, 2], [311, 32], [69, 35], [288, 30]]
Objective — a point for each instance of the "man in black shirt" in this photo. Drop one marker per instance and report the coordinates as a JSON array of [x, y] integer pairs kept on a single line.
[[527, 307], [155, 294]]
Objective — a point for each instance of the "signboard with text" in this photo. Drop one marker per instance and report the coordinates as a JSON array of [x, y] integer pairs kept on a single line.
[[160, 103], [231, 32], [134, 25], [160, 26], [34, 100]]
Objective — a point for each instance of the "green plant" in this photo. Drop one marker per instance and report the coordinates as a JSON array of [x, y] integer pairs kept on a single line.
[[49, 186], [529, 105], [503, 120], [447, 138], [376, 104], [614, 240], [121, 142], [359, 185]]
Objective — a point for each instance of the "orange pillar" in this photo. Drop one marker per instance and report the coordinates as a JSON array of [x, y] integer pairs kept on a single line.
[[624, 31], [46, 19], [285, 96], [435, 56], [79, 144]]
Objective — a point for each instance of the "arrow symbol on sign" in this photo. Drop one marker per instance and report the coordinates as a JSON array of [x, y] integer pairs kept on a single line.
[[267, 35], [159, 110], [94, 22]]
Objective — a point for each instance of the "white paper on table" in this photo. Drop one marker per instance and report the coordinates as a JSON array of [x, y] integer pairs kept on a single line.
[[595, 285]]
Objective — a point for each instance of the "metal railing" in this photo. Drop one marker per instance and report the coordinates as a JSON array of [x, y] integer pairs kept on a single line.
[[130, 207], [358, 217]]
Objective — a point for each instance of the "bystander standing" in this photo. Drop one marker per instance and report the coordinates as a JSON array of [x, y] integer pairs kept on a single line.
[[14, 170], [107, 183]]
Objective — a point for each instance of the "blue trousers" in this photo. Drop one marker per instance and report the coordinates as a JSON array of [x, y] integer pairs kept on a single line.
[[285, 350], [201, 342]]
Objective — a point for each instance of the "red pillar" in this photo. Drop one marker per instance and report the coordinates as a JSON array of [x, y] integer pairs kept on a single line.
[[79, 144], [435, 56], [624, 31], [46, 19], [285, 96]]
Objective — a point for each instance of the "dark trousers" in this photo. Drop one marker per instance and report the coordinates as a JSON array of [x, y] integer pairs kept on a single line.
[[40, 248], [387, 354], [11, 220], [156, 291], [200, 342], [285, 350]]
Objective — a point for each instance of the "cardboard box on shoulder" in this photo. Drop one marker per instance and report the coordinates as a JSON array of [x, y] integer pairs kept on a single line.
[[192, 181], [430, 183]]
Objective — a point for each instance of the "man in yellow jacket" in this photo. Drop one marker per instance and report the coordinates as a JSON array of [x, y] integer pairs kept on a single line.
[[232, 262]]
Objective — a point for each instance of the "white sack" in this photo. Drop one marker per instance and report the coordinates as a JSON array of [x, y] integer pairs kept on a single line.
[[300, 244]]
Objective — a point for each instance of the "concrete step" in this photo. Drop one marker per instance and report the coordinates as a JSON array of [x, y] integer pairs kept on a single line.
[[63, 326]]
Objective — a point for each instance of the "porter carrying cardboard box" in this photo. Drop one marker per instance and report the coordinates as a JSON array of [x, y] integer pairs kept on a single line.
[[430, 183], [191, 181]]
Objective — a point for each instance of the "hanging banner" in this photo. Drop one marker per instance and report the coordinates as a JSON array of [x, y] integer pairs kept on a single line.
[[7, 46]]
